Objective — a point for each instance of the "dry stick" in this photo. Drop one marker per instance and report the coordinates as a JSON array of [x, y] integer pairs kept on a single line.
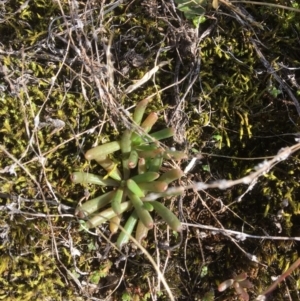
[[191, 73], [280, 279], [150, 288], [109, 62], [260, 169], [36, 124], [119, 282], [36, 119], [3, 149], [227, 207], [240, 235], [240, 14], [266, 4], [63, 143], [156, 267], [157, 258], [234, 158], [146, 77], [267, 65], [272, 71]]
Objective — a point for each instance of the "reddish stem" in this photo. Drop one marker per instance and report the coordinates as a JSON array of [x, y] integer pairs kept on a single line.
[[282, 277]]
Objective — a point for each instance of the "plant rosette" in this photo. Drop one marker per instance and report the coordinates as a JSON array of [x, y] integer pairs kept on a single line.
[[141, 161]]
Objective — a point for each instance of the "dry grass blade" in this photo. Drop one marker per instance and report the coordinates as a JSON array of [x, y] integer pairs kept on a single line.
[[228, 87], [264, 4], [145, 78]]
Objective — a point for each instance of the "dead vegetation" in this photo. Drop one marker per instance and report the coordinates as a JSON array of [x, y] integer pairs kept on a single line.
[[69, 72]]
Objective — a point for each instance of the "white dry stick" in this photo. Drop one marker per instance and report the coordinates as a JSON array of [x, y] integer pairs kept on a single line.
[[190, 165], [145, 78], [110, 65], [240, 235], [259, 170]]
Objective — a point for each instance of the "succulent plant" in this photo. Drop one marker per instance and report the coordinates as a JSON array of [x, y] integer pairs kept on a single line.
[[240, 283], [141, 160]]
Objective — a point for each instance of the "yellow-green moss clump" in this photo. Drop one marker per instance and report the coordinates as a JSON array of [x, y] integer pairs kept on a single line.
[[60, 96]]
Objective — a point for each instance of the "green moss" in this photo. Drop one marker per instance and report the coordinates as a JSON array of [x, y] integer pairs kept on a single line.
[[235, 108]]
